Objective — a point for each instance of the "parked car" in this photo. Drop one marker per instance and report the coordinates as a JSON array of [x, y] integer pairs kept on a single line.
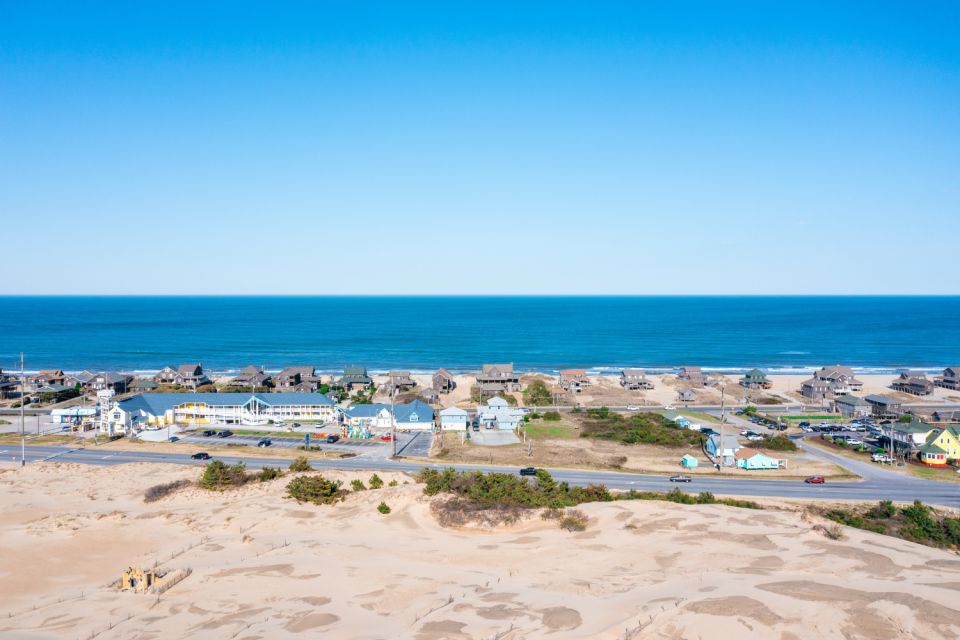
[[387, 437], [332, 439], [670, 407], [804, 424], [226, 433], [681, 478], [633, 407], [707, 431], [815, 480], [202, 455], [528, 471], [755, 437], [853, 442], [264, 442], [209, 433], [747, 433], [173, 439]]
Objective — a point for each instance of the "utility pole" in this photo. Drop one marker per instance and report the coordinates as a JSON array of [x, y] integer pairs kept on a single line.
[[23, 431], [393, 426]]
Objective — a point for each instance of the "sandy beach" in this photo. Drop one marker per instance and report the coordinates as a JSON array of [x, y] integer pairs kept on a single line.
[[264, 566]]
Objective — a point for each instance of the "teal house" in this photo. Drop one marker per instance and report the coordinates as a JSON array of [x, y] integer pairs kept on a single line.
[[688, 462], [751, 459]]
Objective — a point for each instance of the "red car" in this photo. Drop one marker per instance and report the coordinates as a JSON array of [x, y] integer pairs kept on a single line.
[[387, 437], [815, 480]]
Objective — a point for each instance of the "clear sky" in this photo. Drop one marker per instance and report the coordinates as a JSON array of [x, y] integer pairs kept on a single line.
[[480, 147]]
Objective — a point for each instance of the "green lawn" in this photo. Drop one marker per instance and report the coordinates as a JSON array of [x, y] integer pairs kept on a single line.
[[696, 415], [542, 429]]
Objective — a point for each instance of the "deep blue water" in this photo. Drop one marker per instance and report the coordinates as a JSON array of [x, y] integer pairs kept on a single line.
[[144, 333]]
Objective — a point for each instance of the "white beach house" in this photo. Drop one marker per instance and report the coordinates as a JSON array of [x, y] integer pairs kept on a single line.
[[454, 419]]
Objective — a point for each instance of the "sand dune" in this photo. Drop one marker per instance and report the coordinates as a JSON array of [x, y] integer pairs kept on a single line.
[[265, 567]]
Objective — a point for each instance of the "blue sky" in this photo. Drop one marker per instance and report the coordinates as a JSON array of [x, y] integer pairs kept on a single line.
[[460, 147]]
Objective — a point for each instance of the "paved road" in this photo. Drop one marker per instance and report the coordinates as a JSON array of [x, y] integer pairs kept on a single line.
[[879, 485]]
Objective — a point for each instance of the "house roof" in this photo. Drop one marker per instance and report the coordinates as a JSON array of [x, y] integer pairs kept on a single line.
[[189, 369], [497, 370], [746, 453], [852, 400], [454, 411], [365, 410], [303, 370], [354, 370], [755, 373], [404, 412], [931, 448], [881, 400], [443, 373], [144, 384], [159, 403], [399, 374], [914, 426], [112, 377], [497, 401], [633, 373]]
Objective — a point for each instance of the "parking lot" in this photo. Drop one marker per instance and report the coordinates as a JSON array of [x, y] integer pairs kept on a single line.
[[408, 444]]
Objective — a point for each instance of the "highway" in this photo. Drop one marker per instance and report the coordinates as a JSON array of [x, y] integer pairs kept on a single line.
[[878, 483]]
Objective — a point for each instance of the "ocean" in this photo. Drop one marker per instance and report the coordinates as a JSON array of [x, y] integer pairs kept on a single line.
[[779, 334]]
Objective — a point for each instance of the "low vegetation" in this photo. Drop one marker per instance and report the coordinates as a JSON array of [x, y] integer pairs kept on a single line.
[[219, 475], [159, 491], [640, 428], [383, 508], [537, 394], [315, 489], [778, 443], [918, 522], [300, 464], [551, 416], [503, 498], [376, 482], [357, 485], [574, 520], [269, 473]]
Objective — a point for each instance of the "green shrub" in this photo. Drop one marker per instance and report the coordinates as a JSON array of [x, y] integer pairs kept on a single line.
[[269, 473], [383, 508], [641, 428], [883, 510], [159, 491], [218, 475], [537, 394], [315, 489], [551, 416], [778, 443], [393, 483], [905, 418], [301, 464], [357, 485], [376, 482], [750, 410]]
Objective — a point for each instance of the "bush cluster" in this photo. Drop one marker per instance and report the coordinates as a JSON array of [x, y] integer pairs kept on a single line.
[[537, 394], [376, 481], [551, 416], [357, 485], [574, 520], [269, 473], [383, 508], [301, 464], [778, 443], [917, 522], [315, 489], [646, 428], [679, 497], [490, 490], [219, 475]]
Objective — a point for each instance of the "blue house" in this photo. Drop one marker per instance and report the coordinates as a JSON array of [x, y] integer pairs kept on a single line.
[[754, 460]]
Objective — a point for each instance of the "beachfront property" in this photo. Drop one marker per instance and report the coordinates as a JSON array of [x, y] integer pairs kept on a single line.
[[148, 410], [298, 379], [185, 375], [82, 378], [884, 407], [851, 406], [635, 380], [915, 384], [497, 414], [454, 419], [45, 378], [354, 377], [9, 386], [907, 437], [942, 445], [950, 379], [430, 395], [830, 382], [144, 385], [443, 381], [252, 376], [686, 395], [573, 380], [693, 375], [755, 379], [498, 377], [116, 382], [371, 416], [398, 381]]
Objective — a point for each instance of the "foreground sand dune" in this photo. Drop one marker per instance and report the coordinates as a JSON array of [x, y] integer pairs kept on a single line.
[[266, 567]]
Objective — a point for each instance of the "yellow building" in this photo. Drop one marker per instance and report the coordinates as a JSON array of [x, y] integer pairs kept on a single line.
[[942, 445]]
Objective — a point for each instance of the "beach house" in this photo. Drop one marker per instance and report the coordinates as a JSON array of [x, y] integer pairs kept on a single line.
[[443, 381], [398, 381], [185, 375], [941, 446], [833, 381], [498, 377], [252, 376], [297, 379], [725, 450], [947, 416], [950, 379], [573, 380], [693, 375], [117, 382], [686, 395], [414, 416], [454, 419], [410, 416], [915, 384], [851, 406], [354, 377], [635, 380], [46, 378], [371, 416], [884, 407], [755, 379], [497, 414], [9, 386], [752, 460], [907, 437], [148, 410]]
